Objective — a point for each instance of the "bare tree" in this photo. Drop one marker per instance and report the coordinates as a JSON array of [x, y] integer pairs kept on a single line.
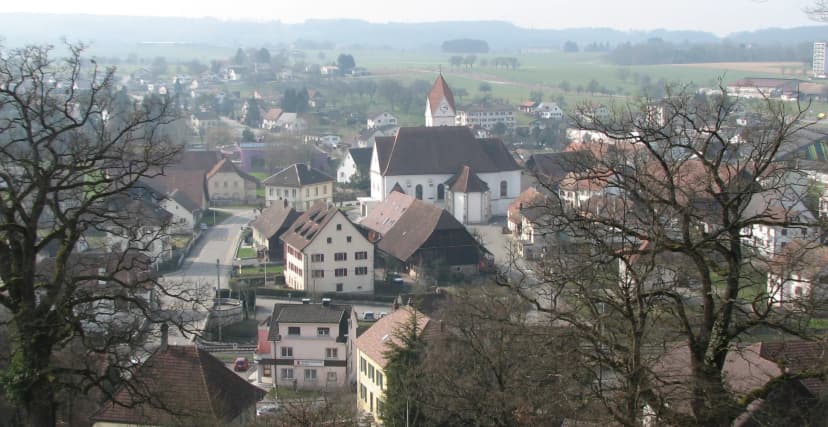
[[818, 11], [650, 245], [70, 164]]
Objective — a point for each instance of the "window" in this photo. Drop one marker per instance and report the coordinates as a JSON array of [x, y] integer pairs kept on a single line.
[[307, 192], [287, 373], [503, 188], [379, 381], [348, 239], [318, 273], [331, 353], [379, 408], [329, 240], [315, 191], [341, 256], [287, 351], [310, 374], [293, 330], [784, 231], [318, 258], [339, 287], [361, 271], [362, 364], [323, 332], [361, 255], [332, 376], [294, 193], [271, 192], [339, 227], [441, 192], [324, 189], [418, 192], [341, 272], [371, 372], [363, 392]]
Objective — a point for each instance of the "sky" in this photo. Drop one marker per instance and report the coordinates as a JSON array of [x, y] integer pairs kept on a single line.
[[717, 16]]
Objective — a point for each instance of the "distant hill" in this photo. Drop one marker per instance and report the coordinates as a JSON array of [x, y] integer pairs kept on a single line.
[[782, 35], [18, 28]]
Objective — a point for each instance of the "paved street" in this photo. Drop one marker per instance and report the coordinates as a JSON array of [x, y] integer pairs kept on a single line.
[[197, 277]]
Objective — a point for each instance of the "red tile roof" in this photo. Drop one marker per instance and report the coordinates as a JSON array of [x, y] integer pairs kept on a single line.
[[466, 181], [374, 342], [438, 91], [302, 232], [181, 382]]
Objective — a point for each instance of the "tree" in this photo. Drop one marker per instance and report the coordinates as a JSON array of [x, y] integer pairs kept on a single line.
[[248, 135], [469, 61], [456, 61], [345, 63], [263, 56], [500, 129], [570, 47], [253, 118], [404, 391], [485, 89], [461, 93], [68, 157], [818, 11], [240, 58], [391, 90], [536, 96], [159, 66], [195, 67], [658, 261]]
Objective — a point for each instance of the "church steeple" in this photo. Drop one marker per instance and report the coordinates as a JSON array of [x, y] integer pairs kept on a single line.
[[440, 108]]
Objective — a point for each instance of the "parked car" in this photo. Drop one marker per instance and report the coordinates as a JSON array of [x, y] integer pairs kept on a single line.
[[241, 364], [267, 409], [368, 316]]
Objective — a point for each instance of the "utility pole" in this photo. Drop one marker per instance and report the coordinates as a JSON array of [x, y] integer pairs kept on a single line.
[[218, 285]]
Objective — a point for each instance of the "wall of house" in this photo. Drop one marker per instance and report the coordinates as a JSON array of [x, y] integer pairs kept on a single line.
[[500, 204], [347, 170], [768, 240], [230, 186], [371, 385], [183, 220], [785, 291], [300, 198], [309, 353], [326, 279]]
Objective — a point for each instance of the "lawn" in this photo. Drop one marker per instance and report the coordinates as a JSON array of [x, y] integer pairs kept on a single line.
[[255, 270], [246, 252]]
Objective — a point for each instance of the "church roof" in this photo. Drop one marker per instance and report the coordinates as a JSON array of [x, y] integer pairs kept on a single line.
[[441, 151], [466, 181], [439, 91]]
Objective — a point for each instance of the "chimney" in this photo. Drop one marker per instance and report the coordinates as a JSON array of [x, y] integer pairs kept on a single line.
[[305, 300], [326, 302], [165, 330]]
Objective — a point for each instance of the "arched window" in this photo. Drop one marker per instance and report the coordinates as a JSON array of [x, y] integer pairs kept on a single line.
[[503, 189], [418, 192], [441, 192]]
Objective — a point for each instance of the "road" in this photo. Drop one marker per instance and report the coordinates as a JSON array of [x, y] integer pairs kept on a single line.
[[197, 277]]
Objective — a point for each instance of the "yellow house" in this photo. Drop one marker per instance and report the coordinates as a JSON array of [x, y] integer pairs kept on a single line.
[[228, 184], [371, 348]]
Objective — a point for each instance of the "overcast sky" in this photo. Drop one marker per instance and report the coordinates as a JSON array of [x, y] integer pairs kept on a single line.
[[717, 16]]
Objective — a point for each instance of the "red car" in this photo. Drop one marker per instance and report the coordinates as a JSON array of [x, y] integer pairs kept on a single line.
[[241, 364]]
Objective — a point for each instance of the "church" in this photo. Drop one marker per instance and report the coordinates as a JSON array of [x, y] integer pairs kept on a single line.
[[472, 178]]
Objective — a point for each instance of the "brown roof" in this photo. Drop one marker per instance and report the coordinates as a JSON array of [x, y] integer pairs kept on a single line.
[[273, 114], [307, 226], [406, 223], [466, 181], [274, 217], [374, 342], [197, 160], [180, 382], [226, 166], [528, 199], [186, 186], [553, 167], [297, 175], [440, 90], [440, 150], [306, 313]]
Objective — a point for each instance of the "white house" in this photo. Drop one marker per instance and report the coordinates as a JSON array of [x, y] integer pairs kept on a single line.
[[549, 110], [486, 116], [325, 252], [431, 163], [380, 120], [299, 184], [356, 159], [794, 222], [310, 346], [440, 109], [795, 274]]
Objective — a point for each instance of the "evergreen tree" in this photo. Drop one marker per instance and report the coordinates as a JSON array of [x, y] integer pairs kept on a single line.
[[403, 393]]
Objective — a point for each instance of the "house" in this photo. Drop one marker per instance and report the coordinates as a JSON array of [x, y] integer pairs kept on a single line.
[[784, 219], [356, 160], [524, 220], [134, 221], [271, 117], [486, 116], [371, 349], [201, 121], [367, 137], [227, 184], [181, 385], [747, 369], [440, 109], [291, 123], [797, 274], [427, 162], [311, 346], [185, 212], [268, 228], [185, 185], [299, 184], [382, 119], [549, 111], [325, 252], [761, 87], [421, 236], [528, 107], [329, 70], [548, 170]]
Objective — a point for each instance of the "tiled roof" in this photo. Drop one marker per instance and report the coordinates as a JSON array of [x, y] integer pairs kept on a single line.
[[375, 341], [406, 223], [466, 181], [528, 200], [273, 218], [197, 160], [306, 313], [226, 166], [273, 114], [297, 175], [186, 186], [361, 156], [440, 90], [180, 383], [440, 150], [307, 226], [551, 168]]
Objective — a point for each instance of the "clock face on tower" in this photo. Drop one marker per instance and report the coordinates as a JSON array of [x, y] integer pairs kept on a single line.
[[443, 108]]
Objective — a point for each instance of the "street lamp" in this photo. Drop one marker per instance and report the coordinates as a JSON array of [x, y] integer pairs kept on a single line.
[[218, 305]]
